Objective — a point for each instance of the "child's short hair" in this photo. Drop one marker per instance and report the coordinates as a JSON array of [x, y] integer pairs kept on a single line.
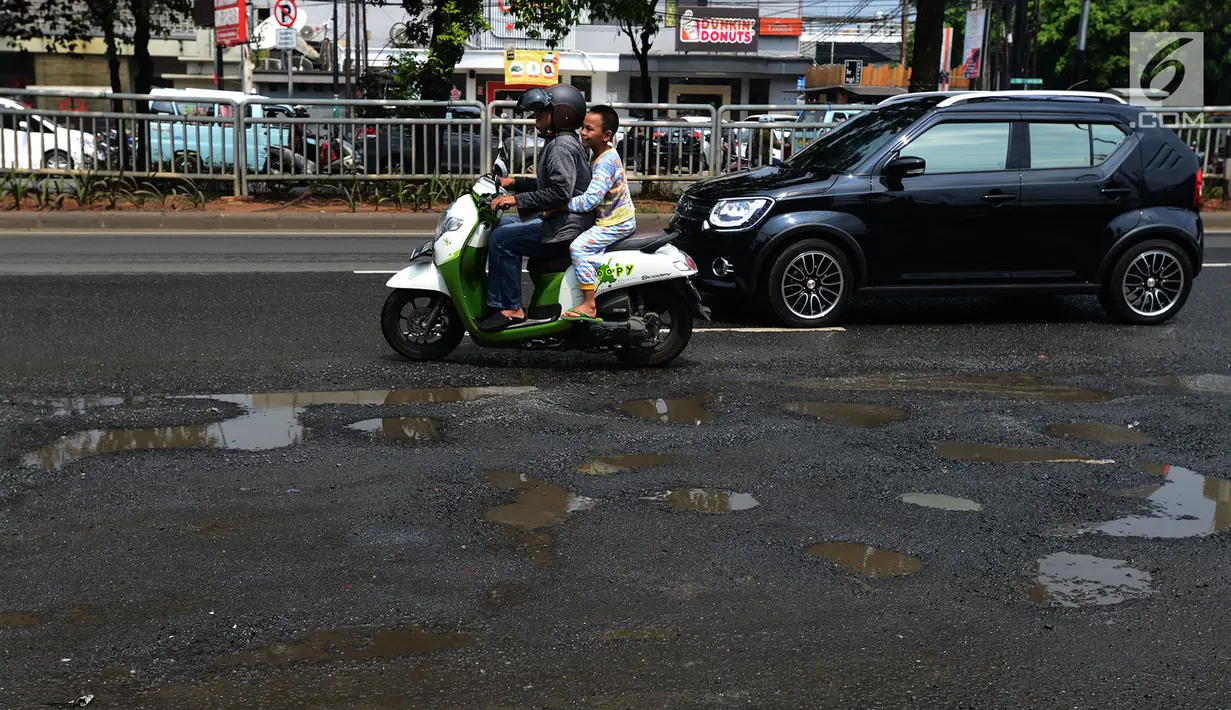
[[611, 120]]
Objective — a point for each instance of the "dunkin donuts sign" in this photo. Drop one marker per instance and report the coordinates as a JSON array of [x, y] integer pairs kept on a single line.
[[716, 29]]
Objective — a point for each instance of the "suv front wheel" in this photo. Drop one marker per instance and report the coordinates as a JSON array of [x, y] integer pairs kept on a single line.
[[1149, 283], [810, 284]]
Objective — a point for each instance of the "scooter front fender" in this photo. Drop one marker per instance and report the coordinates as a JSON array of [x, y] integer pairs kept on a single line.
[[423, 276]]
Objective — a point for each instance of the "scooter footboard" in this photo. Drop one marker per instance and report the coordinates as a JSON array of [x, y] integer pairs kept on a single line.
[[423, 276]]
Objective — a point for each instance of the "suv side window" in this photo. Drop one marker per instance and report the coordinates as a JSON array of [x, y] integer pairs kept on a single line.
[[962, 147], [1072, 145]]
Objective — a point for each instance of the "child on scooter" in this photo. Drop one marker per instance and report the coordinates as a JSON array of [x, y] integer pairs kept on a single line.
[[608, 197]]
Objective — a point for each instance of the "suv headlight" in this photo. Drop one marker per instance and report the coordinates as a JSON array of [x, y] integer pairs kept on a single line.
[[729, 214]]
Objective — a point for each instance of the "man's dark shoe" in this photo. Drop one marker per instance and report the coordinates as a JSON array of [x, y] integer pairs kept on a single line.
[[495, 322]]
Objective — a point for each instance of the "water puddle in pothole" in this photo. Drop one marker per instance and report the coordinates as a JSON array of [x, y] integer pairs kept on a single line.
[[942, 502], [610, 465], [867, 561], [1187, 504], [1203, 384], [538, 505], [707, 500], [18, 620], [1065, 579], [671, 411], [1034, 386], [270, 421], [350, 644], [983, 453], [1100, 433], [849, 414], [404, 430]]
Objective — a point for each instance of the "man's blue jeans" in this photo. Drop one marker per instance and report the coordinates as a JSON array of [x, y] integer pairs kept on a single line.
[[509, 242]]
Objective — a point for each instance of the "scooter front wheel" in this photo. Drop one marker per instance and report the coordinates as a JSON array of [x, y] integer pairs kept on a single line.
[[421, 325]]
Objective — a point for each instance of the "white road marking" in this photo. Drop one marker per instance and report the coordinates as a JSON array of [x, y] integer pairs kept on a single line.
[[373, 272], [1215, 265], [752, 329]]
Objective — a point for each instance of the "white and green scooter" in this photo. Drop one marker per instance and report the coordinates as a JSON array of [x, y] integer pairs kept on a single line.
[[644, 295]]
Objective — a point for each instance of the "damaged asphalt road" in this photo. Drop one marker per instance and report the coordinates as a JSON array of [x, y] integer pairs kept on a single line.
[[225, 492]]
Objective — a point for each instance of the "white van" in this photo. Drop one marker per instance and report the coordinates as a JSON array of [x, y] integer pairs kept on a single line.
[[30, 142]]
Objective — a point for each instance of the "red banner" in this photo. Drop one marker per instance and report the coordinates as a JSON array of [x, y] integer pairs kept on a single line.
[[782, 26], [230, 22]]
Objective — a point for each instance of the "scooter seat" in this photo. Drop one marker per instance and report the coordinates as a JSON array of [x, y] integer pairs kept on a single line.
[[648, 243]]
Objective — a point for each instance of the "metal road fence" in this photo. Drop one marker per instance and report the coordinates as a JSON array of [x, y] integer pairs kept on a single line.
[[254, 144]]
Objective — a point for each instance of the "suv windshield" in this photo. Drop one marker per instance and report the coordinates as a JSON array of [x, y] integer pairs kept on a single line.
[[846, 146]]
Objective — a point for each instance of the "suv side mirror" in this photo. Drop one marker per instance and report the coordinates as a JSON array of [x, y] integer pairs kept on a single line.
[[905, 166]]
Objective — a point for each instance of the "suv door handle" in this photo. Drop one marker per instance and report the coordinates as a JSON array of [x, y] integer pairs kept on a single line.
[[1115, 192], [998, 197]]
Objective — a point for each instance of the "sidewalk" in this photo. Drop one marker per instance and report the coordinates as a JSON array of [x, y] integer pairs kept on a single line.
[[256, 222], [296, 222]]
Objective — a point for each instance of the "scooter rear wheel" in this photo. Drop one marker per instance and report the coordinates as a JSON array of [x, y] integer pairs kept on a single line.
[[404, 318], [669, 315]]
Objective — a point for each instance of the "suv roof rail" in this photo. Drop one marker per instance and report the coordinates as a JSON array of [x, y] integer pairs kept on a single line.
[[898, 98], [1039, 95]]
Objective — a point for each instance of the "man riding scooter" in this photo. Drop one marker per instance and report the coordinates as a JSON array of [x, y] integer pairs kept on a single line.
[[563, 173]]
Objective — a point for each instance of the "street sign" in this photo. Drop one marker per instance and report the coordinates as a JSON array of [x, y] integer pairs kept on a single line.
[[853, 73], [1027, 81], [285, 12], [230, 22], [287, 38]]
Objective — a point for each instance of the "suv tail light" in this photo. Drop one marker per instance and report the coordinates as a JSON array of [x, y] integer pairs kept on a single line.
[[1197, 191]]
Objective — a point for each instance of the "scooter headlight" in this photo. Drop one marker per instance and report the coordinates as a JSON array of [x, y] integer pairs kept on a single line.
[[447, 224]]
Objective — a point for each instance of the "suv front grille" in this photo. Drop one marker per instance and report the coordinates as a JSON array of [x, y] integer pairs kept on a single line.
[[693, 209]]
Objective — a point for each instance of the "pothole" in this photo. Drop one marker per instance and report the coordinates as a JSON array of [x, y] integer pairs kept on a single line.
[[707, 500], [538, 505], [942, 502], [270, 421], [1035, 386], [866, 560], [1186, 504], [850, 414], [1065, 579], [404, 430], [351, 644], [1100, 433], [983, 453], [610, 465], [690, 410]]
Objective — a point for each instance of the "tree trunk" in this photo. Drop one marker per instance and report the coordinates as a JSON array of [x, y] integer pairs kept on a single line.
[[113, 67], [925, 62], [144, 79]]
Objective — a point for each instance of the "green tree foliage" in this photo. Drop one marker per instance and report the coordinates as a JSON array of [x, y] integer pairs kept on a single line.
[[639, 20], [1107, 40], [442, 26]]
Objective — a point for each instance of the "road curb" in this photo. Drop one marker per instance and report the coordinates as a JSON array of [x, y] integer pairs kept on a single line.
[[256, 222]]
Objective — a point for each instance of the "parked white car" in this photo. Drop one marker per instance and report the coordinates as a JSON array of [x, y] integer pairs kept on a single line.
[[32, 142]]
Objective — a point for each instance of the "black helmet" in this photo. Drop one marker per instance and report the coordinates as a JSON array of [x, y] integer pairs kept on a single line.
[[533, 100], [567, 104]]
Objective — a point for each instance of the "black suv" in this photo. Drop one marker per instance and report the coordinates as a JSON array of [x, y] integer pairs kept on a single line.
[[949, 194]]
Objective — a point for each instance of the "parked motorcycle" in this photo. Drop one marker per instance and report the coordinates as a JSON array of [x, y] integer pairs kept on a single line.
[[644, 296]]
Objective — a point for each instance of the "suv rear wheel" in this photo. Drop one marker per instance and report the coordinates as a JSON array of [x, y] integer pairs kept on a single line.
[[1149, 283], [810, 284]]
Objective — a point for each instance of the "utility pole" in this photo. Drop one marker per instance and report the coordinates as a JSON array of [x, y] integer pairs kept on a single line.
[[333, 47], [1079, 66], [1018, 65], [348, 62], [905, 31]]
